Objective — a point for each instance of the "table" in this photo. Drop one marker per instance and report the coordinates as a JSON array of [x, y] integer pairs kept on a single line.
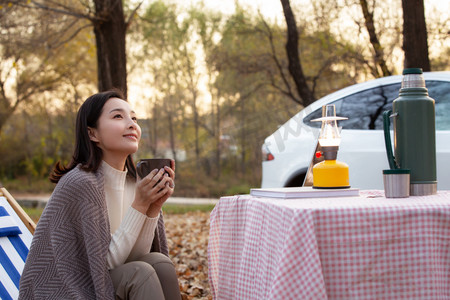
[[364, 247]]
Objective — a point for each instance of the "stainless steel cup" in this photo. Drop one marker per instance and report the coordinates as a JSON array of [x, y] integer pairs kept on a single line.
[[396, 183]]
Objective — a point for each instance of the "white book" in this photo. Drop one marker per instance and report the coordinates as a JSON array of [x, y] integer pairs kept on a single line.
[[303, 192]]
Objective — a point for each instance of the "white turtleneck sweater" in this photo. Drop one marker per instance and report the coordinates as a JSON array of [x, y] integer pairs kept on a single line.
[[131, 231]]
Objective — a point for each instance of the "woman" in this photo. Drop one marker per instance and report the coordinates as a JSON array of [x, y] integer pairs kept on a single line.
[[101, 235]]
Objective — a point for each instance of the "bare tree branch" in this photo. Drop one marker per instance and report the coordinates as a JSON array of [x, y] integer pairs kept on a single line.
[[295, 67], [66, 10], [133, 13], [378, 49], [289, 92], [73, 35]]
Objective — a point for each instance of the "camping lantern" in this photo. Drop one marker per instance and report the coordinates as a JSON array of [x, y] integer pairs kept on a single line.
[[330, 173]]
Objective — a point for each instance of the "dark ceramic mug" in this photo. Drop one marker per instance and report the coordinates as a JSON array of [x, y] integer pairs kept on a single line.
[[147, 165]]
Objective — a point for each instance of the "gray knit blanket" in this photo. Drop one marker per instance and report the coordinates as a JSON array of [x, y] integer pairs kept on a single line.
[[67, 257]]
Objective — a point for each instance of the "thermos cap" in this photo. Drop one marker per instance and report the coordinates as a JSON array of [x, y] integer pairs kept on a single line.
[[412, 71], [413, 78], [396, 171]]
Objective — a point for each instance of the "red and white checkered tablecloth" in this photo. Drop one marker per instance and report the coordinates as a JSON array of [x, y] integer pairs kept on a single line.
[[365, 247]]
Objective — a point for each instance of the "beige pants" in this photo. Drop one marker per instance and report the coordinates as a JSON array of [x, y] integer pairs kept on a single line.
[[153, 276]]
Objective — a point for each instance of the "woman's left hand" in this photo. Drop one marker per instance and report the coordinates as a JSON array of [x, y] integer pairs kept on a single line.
[[167, 191]]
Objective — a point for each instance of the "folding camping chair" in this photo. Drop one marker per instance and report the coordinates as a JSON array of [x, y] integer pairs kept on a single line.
[[16, 233]]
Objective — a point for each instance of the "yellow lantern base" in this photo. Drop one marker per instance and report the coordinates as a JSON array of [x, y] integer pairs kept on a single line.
[[330, 174]]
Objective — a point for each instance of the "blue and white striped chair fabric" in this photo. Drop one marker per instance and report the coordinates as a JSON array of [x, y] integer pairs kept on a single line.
[[15, 241]]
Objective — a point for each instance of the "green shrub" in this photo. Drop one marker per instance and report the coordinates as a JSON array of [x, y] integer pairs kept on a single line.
[[238, 190]]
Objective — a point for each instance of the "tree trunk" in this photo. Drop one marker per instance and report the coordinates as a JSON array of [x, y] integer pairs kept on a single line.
[[5, 114], [295, 67], [192, 86], [197, 138], [243, 135], [415, 44], [110, 30], [376, 45], [217, 133], [170, 125], [172, 137], [152, 124]]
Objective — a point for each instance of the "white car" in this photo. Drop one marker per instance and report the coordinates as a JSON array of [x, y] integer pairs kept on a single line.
[[288, 152]]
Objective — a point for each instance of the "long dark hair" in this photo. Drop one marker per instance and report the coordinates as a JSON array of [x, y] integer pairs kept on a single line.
[[86, 151]]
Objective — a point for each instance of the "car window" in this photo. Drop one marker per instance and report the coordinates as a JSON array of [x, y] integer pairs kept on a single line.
[[364, 109], [440, 92]]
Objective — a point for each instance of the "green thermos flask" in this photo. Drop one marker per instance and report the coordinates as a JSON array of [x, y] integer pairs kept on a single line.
[[413, 114]]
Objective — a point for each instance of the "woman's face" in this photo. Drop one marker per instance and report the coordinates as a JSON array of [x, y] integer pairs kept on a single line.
[[117, 132]]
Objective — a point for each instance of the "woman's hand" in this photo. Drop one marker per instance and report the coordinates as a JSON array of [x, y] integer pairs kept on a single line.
[[155, 207], [153, 190]]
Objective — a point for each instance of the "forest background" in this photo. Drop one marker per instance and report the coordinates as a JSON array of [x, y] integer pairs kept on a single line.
[[208, 86]]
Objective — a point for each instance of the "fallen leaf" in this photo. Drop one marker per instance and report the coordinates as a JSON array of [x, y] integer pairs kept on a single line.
[[187, 238]]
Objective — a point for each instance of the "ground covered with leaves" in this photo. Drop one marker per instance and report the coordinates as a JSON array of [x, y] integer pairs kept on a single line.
[[187, 236]]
